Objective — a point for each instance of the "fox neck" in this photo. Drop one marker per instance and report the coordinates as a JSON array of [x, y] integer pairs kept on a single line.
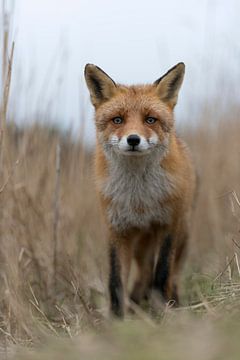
[[133, 183], [135, 165]]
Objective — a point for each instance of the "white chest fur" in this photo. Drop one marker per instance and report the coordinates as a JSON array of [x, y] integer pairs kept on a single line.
[[137, 189]]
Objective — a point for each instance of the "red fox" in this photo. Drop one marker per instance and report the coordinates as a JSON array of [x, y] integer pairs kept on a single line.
[[146, 183]]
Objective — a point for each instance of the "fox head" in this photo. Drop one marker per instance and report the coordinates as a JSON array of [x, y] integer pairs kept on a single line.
[[134, 120]]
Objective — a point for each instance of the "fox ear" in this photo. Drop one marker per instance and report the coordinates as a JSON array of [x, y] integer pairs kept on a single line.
[[100, 85], [169, 84]]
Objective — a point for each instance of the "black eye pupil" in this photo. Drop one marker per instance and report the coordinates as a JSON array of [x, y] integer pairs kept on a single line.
[[117, 120], [150, 120]]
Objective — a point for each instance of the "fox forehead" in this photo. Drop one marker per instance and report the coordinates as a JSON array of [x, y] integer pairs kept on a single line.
[[130, 101]]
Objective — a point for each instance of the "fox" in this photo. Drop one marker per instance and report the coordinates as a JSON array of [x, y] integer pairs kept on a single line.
[[145, 181]]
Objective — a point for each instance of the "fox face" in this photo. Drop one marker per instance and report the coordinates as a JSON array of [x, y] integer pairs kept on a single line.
[[134, 120]]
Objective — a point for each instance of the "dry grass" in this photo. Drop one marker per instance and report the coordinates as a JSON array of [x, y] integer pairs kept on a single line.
[[30, 282], [39, 297], [53, 251]]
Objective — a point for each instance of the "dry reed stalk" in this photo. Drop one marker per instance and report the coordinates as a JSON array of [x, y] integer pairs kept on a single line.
[[6, 89], [44, 316], [226, 268], [9, 176], [229, 269], [6, 66], [4, 105], [84, 303], [236, 198], [56, 214], [237, 263], [5, 32], [65, 325]]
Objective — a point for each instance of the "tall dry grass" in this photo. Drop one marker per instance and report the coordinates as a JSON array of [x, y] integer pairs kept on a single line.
[[31, 279], [73, 296], [53, 262]]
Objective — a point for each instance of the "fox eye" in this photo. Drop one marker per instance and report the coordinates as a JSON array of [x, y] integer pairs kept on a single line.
[[117, 120], [150, 120]]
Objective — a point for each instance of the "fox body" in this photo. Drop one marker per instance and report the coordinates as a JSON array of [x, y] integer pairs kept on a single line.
[[145, 181]]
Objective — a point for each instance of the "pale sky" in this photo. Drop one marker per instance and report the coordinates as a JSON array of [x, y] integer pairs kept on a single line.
[[133, 41]]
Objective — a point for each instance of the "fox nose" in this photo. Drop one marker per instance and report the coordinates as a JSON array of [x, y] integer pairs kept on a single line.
[[133, 140]]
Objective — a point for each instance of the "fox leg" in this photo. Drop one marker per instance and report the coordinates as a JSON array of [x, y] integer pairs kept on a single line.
[[115, 283], [120, 260], [171, 255], [180, 254], [144, 256], [164, 272]]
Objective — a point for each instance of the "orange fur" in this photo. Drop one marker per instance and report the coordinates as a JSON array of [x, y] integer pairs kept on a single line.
[[155, 238]]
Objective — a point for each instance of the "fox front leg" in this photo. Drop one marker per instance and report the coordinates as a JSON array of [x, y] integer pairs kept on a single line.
[[120, 256], [164, 272], [115, 283]]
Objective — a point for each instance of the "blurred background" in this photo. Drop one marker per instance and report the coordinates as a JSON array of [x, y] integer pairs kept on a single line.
[[135, 42], [53, 254]]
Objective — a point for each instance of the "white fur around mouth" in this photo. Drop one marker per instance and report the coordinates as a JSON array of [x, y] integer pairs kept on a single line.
[[121, 148], [143, 148], [136, 152]]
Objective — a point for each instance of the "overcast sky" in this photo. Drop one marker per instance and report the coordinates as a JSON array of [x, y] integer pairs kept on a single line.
[[134, 41]]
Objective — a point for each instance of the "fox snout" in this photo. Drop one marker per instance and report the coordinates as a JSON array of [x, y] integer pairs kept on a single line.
[[133, 144]]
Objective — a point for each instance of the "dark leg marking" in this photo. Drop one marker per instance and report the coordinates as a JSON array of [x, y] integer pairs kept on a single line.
[[115, 284], [162, 272]]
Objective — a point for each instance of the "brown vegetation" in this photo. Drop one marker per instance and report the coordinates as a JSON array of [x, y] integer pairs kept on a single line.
[[52, 246], [76, 296]]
